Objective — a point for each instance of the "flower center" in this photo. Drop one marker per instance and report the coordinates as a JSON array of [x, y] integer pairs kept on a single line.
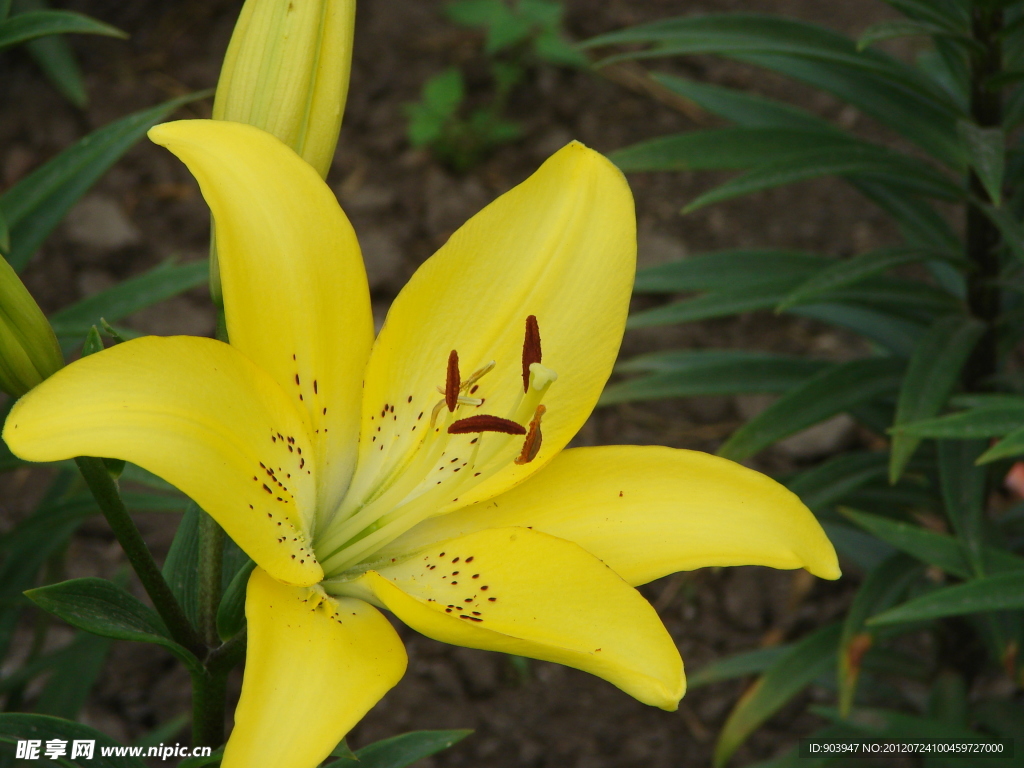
[[456, 452]]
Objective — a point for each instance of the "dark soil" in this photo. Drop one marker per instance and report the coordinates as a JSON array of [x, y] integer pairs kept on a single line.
[[404, 205]]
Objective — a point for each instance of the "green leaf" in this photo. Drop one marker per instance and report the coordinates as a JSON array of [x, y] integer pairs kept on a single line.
[[824, 485], [54, 57], [831, 392], [1008, 226], [1002, 592], [920, 118], [745, 109], [37, 203], [717, 304], [73, 677], [552, 47], [853, 270], [986, 151], [919, 222], [474, 13], [93, 342], [164, 732], [887, 30], [29, 26], [1011, 445], [5, 235], [130, 296], [401, 751], [862, 160], [892, 92], [932, 372], [992, 421], [731, 148], [938, 549], [808, 658], [895, 333], [18, 726], [719, 372], [883, 586], [950, 15], [864, 550], [181, 567], [727, 270], [104, 609], [740, 665], [231, 611]]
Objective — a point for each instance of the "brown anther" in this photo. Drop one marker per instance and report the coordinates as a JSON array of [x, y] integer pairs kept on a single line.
[[531, 445], [531, 349], [453, 382], [485, 423]]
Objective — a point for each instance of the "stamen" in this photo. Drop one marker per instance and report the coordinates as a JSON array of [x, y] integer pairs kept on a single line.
[[531, 445], [485, 423], [477, 375], [531, 349], [452, 383]]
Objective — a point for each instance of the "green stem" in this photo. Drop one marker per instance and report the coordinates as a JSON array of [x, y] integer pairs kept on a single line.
[[981, 234], [211, 560], [107, 496], [209, 694]]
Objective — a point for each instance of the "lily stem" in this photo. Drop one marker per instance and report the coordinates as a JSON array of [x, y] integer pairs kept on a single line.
[[104, 490], [209, 694]]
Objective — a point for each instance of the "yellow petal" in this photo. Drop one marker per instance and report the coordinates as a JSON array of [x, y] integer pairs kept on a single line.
[[295, 293], [650, 511], [531, 594], [314, 666], [561, 247], [200, 415]]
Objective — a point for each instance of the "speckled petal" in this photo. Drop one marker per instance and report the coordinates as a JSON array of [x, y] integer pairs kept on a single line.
[[649, 511], [314, 666], [200, 415], [527, 593]]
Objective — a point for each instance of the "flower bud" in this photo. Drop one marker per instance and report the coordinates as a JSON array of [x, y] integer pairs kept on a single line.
[[286, 71], [29, 351]]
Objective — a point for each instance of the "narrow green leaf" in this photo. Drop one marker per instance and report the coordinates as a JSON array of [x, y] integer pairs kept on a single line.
[[401, 751], [54, 57], [861, 548], [104, 609], [986, 152], [729, 269], [5, 9], [164, 732], [919, 222], [1011, 229], [231, 611], [717, 304], [5, 235], [93, 342], [1011, 445], [732, 148], [130, 296], [932, 372], [938, 549], [883, 586], [29, 26], [182, 563], [810, 657], [740, 665], [695, 374], [875, 163], [73, 677], [17, 726], [893, 332], [826, 484], [950, 16], [37, 203], [849, 271], [993, 421], [887, 30], [745, 109], [1002, 592], [831, 392]]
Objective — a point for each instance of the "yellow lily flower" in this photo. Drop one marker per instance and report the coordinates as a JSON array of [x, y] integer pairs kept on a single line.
[[424, 472]]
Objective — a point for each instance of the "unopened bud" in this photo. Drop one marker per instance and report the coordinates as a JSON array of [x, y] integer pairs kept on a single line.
[[29, 351], [286, 71]]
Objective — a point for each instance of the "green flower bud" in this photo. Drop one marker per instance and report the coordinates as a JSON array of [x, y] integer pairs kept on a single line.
[[29, 351], [286, 71]]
